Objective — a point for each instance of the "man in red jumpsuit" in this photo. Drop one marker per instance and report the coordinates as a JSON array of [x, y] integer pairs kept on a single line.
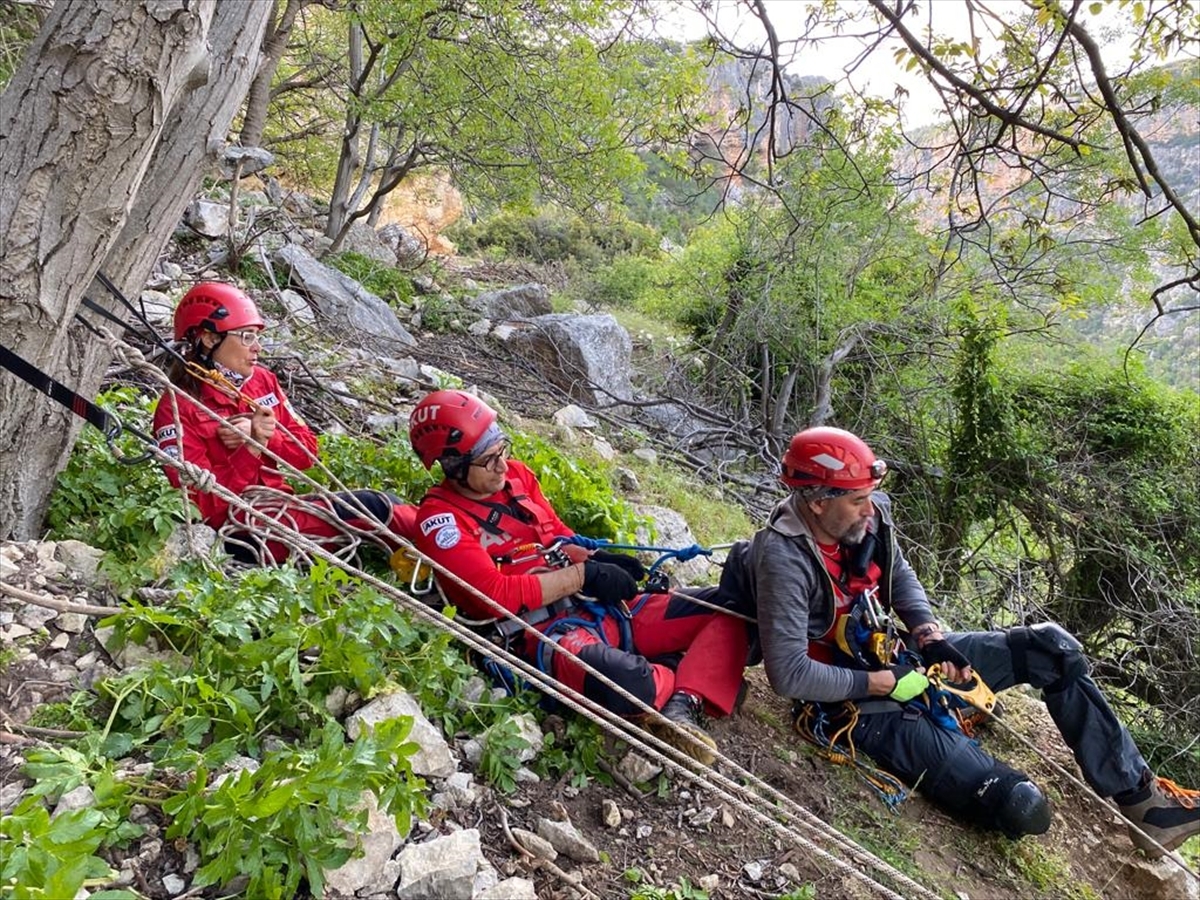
[[484, 523], [221, 331]]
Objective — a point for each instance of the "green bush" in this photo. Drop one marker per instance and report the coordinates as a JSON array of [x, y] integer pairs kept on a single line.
[[555, 235], [387, 465], [621, 283], [582, 497], [127, 510], [384, 281]]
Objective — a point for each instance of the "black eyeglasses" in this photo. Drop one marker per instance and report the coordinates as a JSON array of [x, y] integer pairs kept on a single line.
[[494, 462]]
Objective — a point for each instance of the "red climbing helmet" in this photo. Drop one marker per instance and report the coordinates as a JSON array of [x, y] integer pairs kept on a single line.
[[217, 307], [833, 458], [449, 424]]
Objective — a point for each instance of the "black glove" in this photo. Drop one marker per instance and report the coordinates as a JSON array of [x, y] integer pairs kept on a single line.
[[943, 652], [629, 563], [608, 583]]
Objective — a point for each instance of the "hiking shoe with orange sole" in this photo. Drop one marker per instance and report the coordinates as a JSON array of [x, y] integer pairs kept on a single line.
[[1168, 813]]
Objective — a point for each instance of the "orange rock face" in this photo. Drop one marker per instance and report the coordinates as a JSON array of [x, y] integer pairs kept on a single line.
[[425, 204]]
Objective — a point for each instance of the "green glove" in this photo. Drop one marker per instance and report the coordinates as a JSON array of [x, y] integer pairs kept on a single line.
[[909, 683]]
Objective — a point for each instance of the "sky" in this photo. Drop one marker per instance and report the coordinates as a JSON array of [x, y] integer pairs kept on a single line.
[[878, 74]]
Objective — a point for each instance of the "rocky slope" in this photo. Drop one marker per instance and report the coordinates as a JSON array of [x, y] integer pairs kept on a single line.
[[649, 829]]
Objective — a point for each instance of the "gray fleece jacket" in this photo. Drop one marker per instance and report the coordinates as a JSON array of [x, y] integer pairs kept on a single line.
[[796, 601]]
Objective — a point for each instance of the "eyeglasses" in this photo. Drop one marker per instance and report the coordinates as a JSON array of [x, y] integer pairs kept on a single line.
[[249, 337], [494, 462]]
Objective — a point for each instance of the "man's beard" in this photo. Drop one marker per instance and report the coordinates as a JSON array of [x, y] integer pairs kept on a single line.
[[855, 533]]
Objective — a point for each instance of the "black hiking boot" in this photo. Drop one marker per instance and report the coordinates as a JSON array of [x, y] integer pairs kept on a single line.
[[685, 713]]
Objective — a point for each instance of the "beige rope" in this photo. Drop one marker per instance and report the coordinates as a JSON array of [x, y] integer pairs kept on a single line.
[[670, 756]]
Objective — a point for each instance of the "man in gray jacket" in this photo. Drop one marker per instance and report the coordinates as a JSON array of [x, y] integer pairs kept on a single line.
[[830, 546]]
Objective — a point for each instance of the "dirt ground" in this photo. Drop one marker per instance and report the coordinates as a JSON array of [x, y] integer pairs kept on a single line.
[[1086, 853]]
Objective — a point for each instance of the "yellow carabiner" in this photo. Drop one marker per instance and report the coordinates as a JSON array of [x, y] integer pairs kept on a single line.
[[980, 696], [409, 569]]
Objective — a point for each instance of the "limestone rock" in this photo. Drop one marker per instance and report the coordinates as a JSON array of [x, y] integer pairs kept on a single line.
[[297, 306], [672, 530], [589, 357], [524, 301], [444, 867], [362, 239], [433, 757], [380, 840], [638, 769], [610, 813], [252, 159], [510, 889], [207, 219], [343, 302], [407, 250], [567, 840], [573, 416]]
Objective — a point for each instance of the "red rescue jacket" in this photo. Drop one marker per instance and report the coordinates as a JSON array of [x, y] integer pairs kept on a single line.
[[470, 537], [236, 469]]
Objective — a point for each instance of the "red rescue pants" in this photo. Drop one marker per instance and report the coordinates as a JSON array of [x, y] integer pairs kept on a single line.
[[678, 645]]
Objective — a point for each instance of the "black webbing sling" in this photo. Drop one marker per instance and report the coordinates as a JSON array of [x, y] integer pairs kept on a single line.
[[108, 424]]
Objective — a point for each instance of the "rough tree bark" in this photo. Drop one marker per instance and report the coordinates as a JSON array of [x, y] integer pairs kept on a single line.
[[258, 99], [105, 131]]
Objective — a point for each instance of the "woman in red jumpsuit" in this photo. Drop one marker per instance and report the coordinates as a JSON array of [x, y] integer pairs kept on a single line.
[[222, 330], [481, 522]]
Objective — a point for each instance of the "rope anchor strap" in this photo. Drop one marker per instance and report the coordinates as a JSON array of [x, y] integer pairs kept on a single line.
[[683, 554], [101, 419]]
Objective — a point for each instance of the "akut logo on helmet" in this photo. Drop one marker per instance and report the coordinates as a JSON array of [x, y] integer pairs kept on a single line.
[[423, 414]]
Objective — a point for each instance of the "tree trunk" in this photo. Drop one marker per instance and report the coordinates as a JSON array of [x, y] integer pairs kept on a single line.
[[258, 100], [104, 131], [349, 159]]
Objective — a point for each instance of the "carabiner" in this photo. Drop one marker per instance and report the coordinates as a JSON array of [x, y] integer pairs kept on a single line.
[[114, 432], [980, 696]]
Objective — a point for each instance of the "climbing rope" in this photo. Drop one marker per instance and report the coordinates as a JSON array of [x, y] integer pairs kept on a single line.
[[813, 724], [745, 794]]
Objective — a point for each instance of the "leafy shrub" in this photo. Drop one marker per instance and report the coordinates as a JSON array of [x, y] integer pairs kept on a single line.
[[438, 313], [621, 283], [693, 287], [288, 819], [53, 857], [386, 282], [576, 756], [551, 234], [386, 465], [582, 497], [129, 511]]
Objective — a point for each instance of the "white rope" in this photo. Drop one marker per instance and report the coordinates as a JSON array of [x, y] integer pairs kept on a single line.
[[1090, 792], [741, 795]]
